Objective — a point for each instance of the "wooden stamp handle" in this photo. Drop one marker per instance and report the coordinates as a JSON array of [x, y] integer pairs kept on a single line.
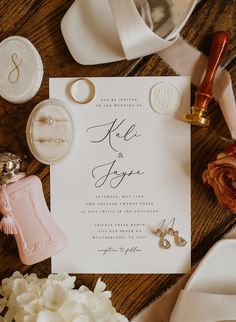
[[219, 45]]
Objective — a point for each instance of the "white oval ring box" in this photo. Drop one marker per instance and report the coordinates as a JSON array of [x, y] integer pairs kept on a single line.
[[21, 70], [50, 131]]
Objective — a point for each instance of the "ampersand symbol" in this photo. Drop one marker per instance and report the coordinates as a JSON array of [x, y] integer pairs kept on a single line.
[[15, 72]]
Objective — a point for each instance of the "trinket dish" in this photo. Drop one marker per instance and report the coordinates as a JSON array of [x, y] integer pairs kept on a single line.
[[21, 70]]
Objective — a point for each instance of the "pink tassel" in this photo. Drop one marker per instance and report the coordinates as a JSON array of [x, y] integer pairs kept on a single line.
[[8, 226]]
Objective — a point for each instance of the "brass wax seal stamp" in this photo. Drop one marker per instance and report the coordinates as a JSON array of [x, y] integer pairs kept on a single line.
[[203, 96]]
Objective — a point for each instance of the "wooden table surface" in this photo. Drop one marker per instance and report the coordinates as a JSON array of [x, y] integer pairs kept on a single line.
[[39, 21]]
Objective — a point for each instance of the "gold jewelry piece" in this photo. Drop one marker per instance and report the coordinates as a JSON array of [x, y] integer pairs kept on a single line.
[[197, 117], [50, 141], [180, 241], [49, 121], [75, 94], [163, 242]]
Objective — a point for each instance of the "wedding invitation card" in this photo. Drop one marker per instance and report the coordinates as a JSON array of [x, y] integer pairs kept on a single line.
[[127, 175]]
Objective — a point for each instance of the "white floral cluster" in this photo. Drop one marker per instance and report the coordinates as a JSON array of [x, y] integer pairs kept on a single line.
[[31, 299]]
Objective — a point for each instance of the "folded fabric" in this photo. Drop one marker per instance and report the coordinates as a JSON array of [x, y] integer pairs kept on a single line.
[[204, 307], [161, 309]]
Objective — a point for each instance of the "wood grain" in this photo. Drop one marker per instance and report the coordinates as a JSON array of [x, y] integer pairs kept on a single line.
[[39, 21]]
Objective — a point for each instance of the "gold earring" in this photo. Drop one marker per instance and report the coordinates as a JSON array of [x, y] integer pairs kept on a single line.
[[180, 241], [163, 242]]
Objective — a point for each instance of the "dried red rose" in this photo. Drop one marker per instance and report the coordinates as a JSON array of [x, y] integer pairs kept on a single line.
[[221, 175]]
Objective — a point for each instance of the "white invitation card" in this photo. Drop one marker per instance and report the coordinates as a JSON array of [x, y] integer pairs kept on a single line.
[[127, 175]]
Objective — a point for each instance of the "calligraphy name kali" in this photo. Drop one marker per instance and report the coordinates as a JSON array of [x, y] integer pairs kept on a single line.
[[113, 130]]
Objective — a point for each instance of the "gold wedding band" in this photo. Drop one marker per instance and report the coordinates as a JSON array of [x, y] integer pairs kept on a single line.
[[75, 94]]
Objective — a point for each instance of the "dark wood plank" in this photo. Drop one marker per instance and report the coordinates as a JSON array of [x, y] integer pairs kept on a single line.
[[13, 14]]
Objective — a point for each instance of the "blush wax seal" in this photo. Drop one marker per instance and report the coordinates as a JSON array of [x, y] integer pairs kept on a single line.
[[165, 98], [21, 70]]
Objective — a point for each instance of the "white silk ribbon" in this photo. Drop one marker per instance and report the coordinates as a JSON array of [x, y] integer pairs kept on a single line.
[[138, 40]]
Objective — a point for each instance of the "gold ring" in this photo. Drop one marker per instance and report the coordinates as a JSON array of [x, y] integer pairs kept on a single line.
[[87, 86]]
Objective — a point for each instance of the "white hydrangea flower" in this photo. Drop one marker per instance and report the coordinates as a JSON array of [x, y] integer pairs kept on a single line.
[[49, 316], [65, 280], [3, 302], [54, 299]]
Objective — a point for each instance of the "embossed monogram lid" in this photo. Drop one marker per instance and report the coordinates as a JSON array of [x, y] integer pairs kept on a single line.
[[21, 70], [10, 165], [165, 98]]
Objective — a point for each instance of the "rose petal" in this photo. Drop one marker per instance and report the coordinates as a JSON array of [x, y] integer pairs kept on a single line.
[[221, 175], [230, 160]]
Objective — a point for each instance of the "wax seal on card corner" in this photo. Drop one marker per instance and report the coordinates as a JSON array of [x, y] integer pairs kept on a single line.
[[165, 98]]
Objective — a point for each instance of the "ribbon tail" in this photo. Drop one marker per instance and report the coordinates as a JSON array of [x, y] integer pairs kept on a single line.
[[8, 225]]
